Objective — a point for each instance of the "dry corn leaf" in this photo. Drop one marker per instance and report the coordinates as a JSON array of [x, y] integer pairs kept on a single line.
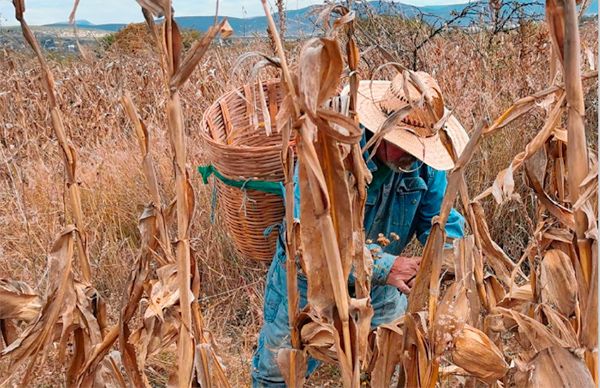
[[589, 316], [556, 367], [556, 26], [387, 353], [9, 333], [496, 258], [416, 356], [154, 335], [362, 311], [517, 296], [165, 292], [521, 107], [201, 364], [158, 8], [537, 165], [558, 234], [226, 30], [563, 214], [558, 285], [36, 339], [494, 290], [536, 334], [559, 325], [19, 301], [149, 241], [476, 354], [194, 56], [587, 202], [326, 11], [109, 373], [420, 293], [86, 333], [318, 341], [466, 263], [503, 186]]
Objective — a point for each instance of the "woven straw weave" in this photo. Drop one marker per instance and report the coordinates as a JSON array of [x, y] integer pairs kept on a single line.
[[239, 147]]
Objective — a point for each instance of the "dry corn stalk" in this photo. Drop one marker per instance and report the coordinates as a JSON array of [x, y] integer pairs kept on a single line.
[[169, 303], [68, 151], [327, 240], [71, 305], [551, 324], [325, 204], [577, 166], [68, 311], [192, 340], [293, 360]]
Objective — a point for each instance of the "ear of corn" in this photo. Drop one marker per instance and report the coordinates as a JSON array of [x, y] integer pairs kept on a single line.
[[475, 353]]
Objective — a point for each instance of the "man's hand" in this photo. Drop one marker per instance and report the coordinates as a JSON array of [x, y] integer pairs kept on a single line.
[[403, 272]]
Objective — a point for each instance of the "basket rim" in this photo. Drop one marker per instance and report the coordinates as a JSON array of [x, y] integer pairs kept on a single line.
[[204, 132]]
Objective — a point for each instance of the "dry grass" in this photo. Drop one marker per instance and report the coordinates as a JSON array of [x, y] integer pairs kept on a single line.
[[479, 80]]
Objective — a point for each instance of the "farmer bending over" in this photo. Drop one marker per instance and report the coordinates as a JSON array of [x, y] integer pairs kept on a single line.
[[409, 182]]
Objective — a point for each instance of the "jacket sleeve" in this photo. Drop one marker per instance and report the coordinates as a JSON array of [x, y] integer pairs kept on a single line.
[[382, 264], [430, 207]]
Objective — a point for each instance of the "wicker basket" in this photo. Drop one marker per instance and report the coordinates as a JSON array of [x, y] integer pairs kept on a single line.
[[238, 148]]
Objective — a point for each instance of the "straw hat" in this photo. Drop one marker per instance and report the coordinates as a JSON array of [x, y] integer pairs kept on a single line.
[[416, 133]]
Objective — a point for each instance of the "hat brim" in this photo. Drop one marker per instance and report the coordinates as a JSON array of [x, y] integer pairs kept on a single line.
[[430, 150]]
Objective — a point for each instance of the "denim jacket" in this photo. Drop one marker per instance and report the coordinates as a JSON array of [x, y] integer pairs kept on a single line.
[[403, 203]]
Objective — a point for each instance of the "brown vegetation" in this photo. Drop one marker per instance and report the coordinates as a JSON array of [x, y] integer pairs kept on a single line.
[[480, 76]]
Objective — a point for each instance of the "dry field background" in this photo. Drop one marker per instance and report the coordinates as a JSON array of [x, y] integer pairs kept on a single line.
[[480, 75]]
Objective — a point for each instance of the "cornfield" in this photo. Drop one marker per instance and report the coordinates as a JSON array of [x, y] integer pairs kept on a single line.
[[143, 295]]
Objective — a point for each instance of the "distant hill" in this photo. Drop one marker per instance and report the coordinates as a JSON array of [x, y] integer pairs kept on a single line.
[[301, 21], [80, 23]]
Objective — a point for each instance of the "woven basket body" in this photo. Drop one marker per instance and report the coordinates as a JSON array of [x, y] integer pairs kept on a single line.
[[239, 147]]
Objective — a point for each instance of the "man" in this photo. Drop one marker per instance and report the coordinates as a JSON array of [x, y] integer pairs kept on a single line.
[[406, 192]]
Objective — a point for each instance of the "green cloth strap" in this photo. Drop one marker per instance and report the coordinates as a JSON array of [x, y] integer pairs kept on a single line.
[[264, 186]]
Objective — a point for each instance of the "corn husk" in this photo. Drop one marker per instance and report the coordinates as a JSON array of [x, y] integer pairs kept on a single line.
[[558, 285], [477, 355]]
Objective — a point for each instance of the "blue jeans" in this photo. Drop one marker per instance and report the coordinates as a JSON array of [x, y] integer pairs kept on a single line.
[[387, 302]]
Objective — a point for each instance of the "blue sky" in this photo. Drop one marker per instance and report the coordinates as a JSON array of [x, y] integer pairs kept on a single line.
[[125, 11]]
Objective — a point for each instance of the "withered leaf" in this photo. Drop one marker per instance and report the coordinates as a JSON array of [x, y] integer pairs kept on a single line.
[[19, 301], [557, 367], [558, 284]]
